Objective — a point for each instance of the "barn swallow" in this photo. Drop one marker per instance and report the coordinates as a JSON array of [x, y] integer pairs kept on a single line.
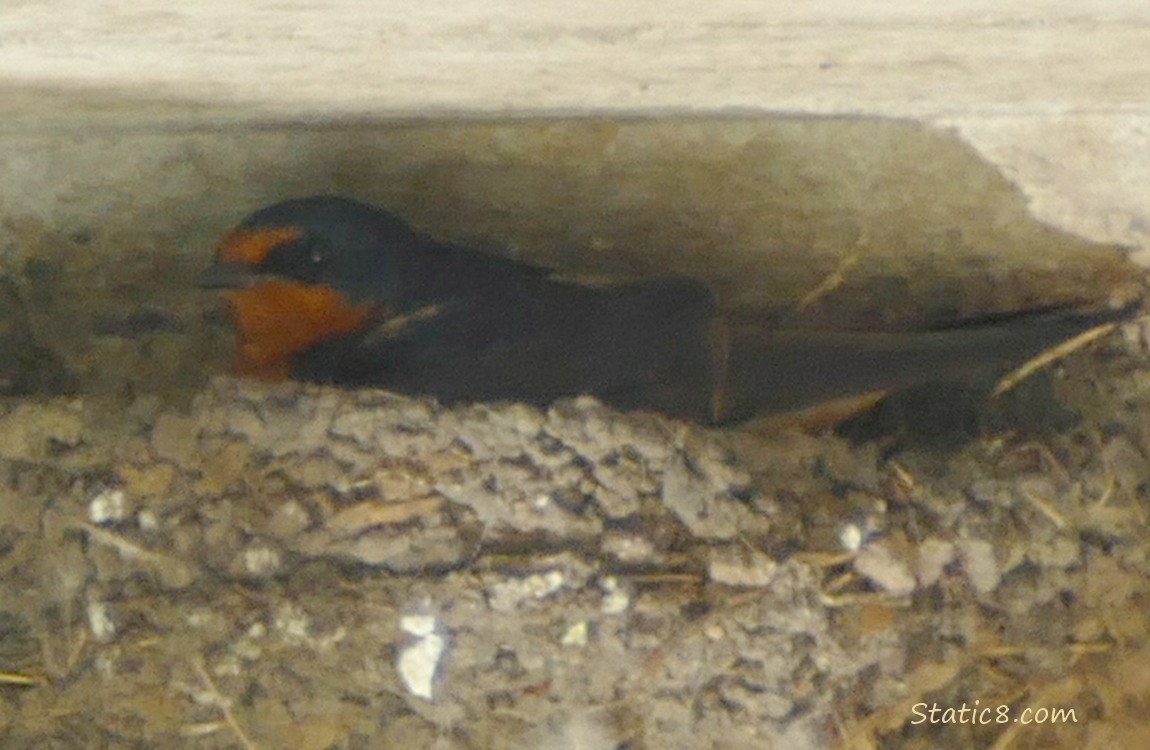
[[328, 290]]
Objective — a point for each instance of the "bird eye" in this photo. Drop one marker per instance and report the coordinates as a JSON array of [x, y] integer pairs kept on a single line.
[[304, 260]]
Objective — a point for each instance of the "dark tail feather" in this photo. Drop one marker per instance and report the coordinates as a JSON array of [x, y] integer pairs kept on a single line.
[[771, 372]]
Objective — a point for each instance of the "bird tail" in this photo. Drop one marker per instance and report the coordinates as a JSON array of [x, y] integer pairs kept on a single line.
[[760, 372]]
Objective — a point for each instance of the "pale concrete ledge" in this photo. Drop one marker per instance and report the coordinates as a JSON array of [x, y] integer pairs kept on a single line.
[[904, 59], [1055, 95]]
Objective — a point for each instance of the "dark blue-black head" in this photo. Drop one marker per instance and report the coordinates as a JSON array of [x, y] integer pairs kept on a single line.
[[320, 240]]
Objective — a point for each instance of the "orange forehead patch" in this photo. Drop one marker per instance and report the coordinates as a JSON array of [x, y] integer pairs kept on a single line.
[[276, 319], [250, 246]]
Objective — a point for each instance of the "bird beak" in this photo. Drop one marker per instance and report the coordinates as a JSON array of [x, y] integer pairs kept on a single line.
[[229, 276]]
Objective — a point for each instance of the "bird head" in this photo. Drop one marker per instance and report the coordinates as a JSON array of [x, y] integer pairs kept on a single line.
[[304, 271]]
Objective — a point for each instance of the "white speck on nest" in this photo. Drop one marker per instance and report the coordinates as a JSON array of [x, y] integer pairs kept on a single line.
[[628, 548], [507, 595], [419, 660], [261, 560], [615, 597], [100, 621], [576, 635], [851, 537], [292, 622], [109, 506], [147, 520]]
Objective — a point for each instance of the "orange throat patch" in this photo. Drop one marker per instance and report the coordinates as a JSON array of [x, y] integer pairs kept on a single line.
[[276, 319]]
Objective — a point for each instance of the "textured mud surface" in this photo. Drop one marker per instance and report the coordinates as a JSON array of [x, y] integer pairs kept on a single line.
[[288, 566]]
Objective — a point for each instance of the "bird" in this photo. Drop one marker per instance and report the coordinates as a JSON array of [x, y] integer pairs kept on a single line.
[[329, 290]]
